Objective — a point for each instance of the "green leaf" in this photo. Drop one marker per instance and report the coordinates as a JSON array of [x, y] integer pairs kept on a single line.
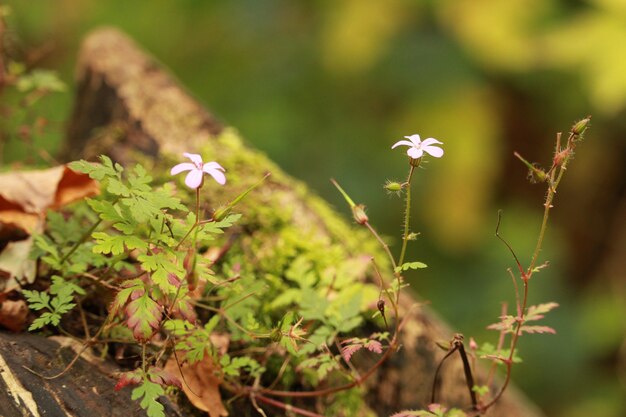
[[150, 393], [106, 210], [144, 317], [40, 79], [115, 244], [116, 187], [410, 265], [95, 171], [37, 300], [161, 267]]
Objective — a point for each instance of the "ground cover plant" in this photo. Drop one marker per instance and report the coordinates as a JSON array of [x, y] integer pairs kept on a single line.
[[147, 270]]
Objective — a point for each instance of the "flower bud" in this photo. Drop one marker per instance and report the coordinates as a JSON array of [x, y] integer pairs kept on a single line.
[[393, 186], [221, 212], [381, 306], [560, 157], [580, 126], [358, 211]]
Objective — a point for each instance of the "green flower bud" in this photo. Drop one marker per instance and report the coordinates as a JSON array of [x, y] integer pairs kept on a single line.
[[393, 186], [221, 212], [579, 127]]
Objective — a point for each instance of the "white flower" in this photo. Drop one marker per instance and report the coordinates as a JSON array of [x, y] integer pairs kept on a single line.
[[417, 147], [197, 169]]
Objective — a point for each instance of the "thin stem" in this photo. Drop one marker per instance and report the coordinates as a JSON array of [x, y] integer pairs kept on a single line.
[[197, 222], [509, 360], [81, 241], [447, 355], [287, 407], [383, 244], [407, 216]]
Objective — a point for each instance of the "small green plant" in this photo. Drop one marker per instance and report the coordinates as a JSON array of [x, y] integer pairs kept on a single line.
[[282, 328]]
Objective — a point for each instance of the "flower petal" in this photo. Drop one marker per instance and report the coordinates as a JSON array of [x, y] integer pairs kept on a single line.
[[415, 139], [212, 166], [217, 175], [185, 166], [431, 141], [415, 153], [195, 158], [194, 178], [402, 142], [435, 151]]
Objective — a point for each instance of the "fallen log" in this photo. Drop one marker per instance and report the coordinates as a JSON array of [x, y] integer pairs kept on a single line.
[[128, 107], [85, 390]]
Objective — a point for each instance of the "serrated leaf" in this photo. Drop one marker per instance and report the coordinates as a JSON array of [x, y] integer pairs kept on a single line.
[[538, 329], [116, 187], [96, 171], [116, 244], [161, 267], [149, 392], [410, 265], [37, 300], [143, 317], [106, 210], [537, 312]]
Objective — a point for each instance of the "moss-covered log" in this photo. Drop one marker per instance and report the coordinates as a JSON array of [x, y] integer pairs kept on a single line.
[[128, 107]]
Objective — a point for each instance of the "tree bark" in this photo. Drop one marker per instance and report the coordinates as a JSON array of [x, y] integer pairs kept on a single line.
[[85, 390], [127, 103]]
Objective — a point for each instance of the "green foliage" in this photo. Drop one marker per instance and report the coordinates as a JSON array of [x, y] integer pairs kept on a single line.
[[58, 304], [410, 265], [149, 392], [235, 366], [41, 80]]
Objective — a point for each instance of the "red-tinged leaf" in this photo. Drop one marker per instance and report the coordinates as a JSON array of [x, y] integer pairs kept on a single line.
[[143, 317], [132, 289], [538, 329], [374, 346], [163, 377], [506, 324], [129, 378], [537, 312], [184, 309], [348, 351]]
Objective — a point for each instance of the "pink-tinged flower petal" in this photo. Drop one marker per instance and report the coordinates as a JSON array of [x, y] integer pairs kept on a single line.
[[194, 178], [217, 175], [435, 151], [185, 166], [415, 153], [402, 142], [431, 141], [212, 165], [195, 158], [415, 139]]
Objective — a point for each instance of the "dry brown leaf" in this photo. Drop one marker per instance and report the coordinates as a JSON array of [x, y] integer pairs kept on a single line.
[[13, 314], [16, 268], [200, 384], [24, 198], [26, 195]]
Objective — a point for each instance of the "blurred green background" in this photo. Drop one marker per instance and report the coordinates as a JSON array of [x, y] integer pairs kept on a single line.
[[326, 87]]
